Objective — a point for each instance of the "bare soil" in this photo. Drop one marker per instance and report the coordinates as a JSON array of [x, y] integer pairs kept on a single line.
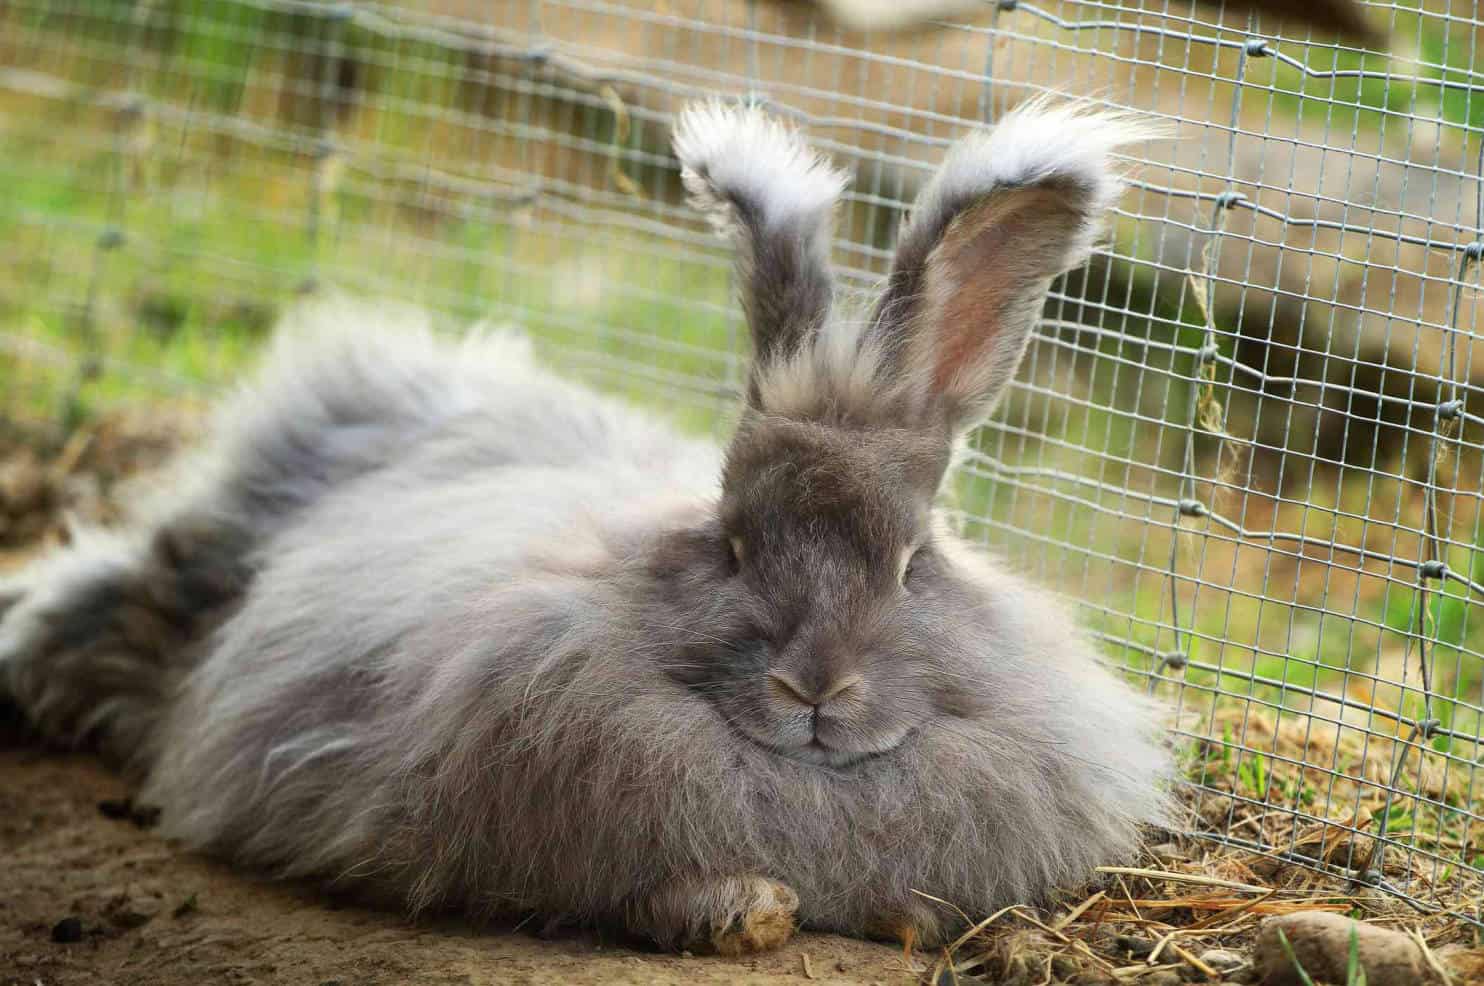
[[152, 913]]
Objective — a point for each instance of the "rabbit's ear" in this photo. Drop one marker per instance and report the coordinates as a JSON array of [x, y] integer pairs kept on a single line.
[[1009, 210], [761, 185]]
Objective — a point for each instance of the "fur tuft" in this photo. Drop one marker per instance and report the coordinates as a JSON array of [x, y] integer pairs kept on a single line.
[[1040, 142], [762, 186], [739, 159]]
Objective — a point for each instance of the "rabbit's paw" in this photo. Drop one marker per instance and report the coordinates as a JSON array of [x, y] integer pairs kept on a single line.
[[764, 920], [729, 916], [85, 643]]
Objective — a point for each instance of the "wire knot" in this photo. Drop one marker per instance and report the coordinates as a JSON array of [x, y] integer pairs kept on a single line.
[[1192, 508], [1172, 659], [1256, 48], [1448, 410], [1474, 251], [1228, 199], [1433, 569]]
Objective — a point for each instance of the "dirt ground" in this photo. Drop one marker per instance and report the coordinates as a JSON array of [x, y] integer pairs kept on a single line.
[[151, 913]]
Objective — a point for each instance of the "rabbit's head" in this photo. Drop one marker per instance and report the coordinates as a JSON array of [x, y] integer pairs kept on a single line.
[[824, 610]]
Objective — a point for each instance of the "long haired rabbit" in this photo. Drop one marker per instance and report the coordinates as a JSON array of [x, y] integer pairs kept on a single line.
[[435, 624]]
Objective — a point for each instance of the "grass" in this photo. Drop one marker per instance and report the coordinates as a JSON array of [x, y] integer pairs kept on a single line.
[[217, 238], [1440, 55]]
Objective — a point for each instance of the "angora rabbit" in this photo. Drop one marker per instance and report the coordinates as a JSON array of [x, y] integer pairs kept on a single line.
[[434, 624]]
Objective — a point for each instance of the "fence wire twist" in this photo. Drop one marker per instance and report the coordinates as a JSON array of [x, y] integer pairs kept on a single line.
[[510, 161]]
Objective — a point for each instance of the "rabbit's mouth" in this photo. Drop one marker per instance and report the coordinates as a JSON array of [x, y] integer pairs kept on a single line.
[[821, 754]]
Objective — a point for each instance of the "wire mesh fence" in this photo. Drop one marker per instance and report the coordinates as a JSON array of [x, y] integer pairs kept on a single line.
[[1243, 442]]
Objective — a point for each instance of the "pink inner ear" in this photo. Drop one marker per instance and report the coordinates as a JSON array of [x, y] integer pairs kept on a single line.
[[980, 274]]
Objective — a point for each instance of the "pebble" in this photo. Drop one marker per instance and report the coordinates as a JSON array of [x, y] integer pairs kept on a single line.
[[67, 931], [1223, 960], [115, 808], [134, 907], [136, 911], [1320, 942]]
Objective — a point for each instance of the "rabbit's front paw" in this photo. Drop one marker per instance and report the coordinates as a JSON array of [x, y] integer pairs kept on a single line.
[[84, 647], [728, 916]]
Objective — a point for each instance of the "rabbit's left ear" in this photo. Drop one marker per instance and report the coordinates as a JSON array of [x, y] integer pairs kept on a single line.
[[775, 198], [1008, 211]]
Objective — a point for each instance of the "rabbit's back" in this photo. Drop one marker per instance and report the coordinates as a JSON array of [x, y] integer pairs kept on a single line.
[[310, 681], [348, 390]]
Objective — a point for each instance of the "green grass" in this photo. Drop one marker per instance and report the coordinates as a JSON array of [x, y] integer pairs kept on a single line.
[[1424, 49]]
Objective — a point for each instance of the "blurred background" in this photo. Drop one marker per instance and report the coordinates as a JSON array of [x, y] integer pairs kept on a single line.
[[1245, 442]]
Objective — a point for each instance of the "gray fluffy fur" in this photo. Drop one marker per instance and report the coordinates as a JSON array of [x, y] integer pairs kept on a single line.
[[433, 623]]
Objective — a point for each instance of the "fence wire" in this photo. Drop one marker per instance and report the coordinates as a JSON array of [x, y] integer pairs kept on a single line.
[[1246, 441]]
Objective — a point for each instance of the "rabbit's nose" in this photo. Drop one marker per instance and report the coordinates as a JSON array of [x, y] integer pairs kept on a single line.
[[789, 685]]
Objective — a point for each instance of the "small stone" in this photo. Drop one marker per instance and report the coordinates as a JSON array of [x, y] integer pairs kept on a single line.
[[132, 912], [67, 931], [1133, 947], [116, 808], [1320, 943], [1223, 961]]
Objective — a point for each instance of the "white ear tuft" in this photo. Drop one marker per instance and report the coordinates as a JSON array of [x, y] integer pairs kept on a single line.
[[738, 157], [760, 184], [1037, 143], [1009, 210]]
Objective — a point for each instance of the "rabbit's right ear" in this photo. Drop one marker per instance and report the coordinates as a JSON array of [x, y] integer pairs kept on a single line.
[[1009, 210], [761, 185]]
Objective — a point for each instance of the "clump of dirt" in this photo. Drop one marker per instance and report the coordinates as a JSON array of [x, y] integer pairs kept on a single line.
[[42, 488]]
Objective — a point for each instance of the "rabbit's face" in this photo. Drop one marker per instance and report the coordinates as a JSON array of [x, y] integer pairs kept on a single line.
[[814, 613]]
